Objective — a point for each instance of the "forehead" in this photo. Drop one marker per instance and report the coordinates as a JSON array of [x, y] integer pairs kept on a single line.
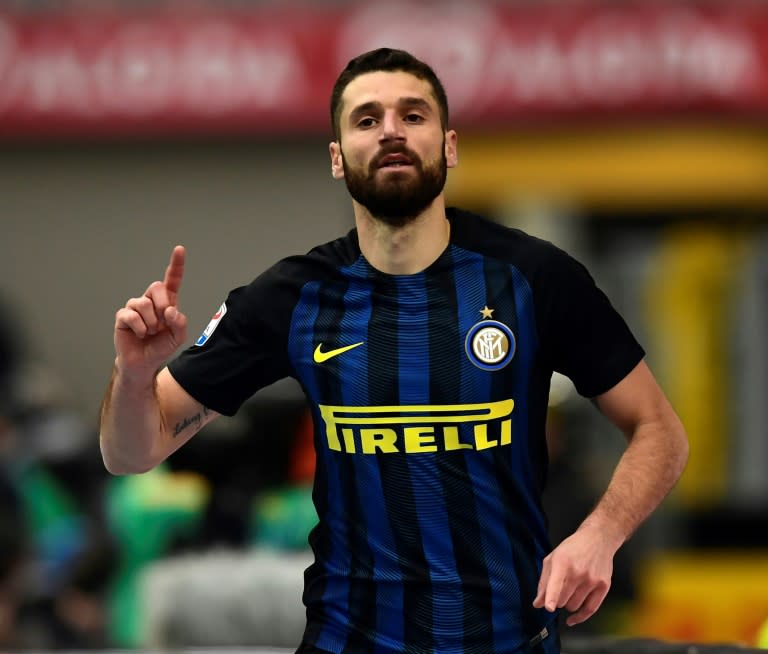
[[386, 88]]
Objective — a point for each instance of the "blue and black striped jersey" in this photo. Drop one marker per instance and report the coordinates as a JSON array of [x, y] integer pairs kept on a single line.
[[429, 396]]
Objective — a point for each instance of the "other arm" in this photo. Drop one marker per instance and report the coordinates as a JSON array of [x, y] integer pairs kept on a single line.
[[577, 573], [144, 421], [145, 415]]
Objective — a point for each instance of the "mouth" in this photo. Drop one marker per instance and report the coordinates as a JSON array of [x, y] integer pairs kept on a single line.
[[396, 160]]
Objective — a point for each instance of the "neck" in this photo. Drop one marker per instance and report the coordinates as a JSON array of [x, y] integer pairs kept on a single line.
[[403, 250]]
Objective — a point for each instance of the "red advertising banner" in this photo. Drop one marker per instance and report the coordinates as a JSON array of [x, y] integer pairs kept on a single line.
[[270, 71]]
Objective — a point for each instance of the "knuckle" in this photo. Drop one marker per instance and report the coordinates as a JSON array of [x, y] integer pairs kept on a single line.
[[124, 316], [566, 561], [138, 303], [598, 584], [589, 579], [579, 571], [154, 289]]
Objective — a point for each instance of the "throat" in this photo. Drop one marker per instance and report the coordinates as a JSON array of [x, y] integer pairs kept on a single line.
[[408, 250]]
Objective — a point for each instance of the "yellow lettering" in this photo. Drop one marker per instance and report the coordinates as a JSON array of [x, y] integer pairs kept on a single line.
[[349, 439], [333, 439], [384, 439], [414, 428], [419, 439], [481, 438], [451, 440], [506, 432]]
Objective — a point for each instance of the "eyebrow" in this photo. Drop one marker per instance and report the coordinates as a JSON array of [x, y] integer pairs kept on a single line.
[[375, 106]]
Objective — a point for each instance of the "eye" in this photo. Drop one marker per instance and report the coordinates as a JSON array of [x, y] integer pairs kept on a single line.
[[366, 122], [414, 118]]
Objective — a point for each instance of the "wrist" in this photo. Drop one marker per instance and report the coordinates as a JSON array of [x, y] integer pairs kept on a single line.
[[606, 527], [138, 378]]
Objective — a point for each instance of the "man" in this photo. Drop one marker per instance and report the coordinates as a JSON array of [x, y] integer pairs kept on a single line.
[[425, 340]]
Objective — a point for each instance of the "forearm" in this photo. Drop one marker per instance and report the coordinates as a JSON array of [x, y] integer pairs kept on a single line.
[[131, 424], [577, 573], [646, 473]]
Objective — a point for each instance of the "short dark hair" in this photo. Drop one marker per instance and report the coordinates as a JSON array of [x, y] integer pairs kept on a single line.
[[388, 60]]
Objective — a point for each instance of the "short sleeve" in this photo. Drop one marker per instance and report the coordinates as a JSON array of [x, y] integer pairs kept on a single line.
[[586, 337], [242, 350]]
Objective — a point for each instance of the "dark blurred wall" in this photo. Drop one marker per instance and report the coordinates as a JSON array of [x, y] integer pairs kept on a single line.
[[86, 227]]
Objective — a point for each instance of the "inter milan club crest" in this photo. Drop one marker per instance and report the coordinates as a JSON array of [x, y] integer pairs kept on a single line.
[[490, 344]]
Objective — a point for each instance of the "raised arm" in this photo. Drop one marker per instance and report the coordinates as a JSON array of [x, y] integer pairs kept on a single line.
[[145, 414], [577, 574]]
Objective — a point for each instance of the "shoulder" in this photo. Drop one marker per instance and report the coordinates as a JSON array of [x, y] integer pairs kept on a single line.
[[343, 250], [530, 254], [277, 289], [322, 262]]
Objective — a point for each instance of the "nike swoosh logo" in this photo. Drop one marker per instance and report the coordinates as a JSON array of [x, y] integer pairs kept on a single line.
[[320, 356]]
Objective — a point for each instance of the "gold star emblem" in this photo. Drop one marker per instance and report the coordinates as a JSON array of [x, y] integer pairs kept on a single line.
[[487, 313]]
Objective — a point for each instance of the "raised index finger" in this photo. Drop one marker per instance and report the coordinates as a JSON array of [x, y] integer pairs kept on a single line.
[[174, 274]]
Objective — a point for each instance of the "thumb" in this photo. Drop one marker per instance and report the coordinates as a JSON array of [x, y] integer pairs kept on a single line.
[[177, 323]]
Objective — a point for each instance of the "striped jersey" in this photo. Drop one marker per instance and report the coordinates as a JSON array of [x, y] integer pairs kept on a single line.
[[429, 396]]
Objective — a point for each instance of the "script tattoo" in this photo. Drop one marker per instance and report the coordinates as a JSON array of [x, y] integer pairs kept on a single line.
[[196, 420]]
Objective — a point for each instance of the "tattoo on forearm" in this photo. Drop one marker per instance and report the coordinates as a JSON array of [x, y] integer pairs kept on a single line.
[[196, 420]]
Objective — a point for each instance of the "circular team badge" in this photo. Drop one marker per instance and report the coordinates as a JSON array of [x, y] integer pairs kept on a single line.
[[490, 344]]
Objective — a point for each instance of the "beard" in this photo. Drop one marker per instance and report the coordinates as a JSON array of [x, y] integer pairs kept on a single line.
[[401, 196]]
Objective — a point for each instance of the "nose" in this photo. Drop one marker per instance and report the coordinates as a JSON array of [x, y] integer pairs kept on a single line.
[[391, 127]]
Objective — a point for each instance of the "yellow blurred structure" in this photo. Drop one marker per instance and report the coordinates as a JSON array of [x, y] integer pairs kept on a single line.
[[688, 297], [675, 166], [762, 636], [717, 597]]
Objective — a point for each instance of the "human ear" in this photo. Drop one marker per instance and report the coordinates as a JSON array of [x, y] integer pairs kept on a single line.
[[337, 162], [451, 152]]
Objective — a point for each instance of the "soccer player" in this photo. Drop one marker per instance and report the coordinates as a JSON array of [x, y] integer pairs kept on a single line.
[[424, 340]]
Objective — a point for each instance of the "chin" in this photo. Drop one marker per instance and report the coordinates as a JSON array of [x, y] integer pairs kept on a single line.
[[403, 171]]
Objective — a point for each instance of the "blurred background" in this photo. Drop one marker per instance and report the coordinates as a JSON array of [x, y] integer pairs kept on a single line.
[[632, 134]]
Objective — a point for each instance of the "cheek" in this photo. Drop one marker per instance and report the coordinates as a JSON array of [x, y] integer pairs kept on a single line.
[[352, 157], [430, 153], [359, 163], [435, 159]]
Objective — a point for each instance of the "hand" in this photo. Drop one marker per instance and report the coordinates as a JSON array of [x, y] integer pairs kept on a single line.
[[150, 328], [577, 575]]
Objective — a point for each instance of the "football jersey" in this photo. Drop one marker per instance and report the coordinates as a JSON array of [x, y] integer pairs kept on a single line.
[[429, 396]]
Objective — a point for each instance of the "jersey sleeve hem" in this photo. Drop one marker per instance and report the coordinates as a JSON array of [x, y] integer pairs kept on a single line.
[[197, 393], [611, 373]]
